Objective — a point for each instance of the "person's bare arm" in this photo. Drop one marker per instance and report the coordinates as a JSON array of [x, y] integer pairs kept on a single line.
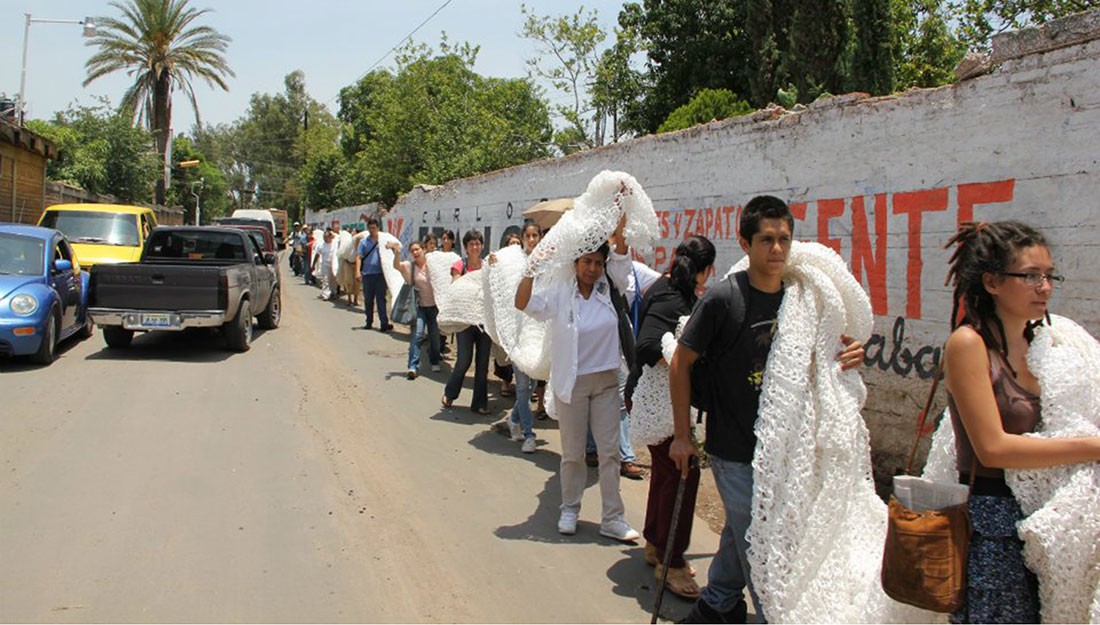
[[967, 367], [523, 293], [679, 382]]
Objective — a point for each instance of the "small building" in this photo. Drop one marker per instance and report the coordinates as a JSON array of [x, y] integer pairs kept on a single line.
[[23, 156]]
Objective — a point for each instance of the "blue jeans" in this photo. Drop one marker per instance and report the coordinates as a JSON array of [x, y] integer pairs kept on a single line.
[[469, 339], [425, 322], [729, 570], [374, 293], [521, 413], [626, 450]]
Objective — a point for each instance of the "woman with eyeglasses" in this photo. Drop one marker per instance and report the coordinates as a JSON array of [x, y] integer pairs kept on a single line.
[[1004, 277]]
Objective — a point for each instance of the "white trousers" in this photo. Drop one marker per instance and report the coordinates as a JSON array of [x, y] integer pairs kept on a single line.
[[595, 404]]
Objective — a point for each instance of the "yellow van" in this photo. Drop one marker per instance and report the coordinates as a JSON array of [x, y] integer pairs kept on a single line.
[[102, 233]]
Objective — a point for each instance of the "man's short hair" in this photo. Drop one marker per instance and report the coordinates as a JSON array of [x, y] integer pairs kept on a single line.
[[763, 207], [373, 221]]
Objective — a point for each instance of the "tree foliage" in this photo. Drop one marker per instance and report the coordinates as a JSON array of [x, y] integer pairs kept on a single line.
[[979, 20], [435, 120], [873, 61], [158, 43], [207, 180], [927, 51], [101, 151], [710, 104]]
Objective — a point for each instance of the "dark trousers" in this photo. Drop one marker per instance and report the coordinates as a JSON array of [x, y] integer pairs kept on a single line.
[[468, 340], [664, 479], [374, 293]]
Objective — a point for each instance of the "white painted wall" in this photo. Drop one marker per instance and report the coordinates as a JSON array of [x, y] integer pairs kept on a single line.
[[1020, 143]]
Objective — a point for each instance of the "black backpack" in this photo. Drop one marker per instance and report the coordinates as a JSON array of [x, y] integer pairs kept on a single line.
[[706, 370]]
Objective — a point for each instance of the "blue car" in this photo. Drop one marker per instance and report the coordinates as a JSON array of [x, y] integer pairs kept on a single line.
[[43, 293]]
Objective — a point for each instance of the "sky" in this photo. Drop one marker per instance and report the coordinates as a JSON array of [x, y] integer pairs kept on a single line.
[[333, 41]]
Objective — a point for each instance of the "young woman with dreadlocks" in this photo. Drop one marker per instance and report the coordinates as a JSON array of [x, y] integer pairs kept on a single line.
[[1003, 277]]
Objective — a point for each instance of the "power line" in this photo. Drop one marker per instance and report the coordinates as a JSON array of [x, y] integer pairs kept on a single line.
[[394, 49]]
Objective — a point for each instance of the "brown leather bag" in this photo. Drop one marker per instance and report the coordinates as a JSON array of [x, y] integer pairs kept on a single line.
[[924, 560]]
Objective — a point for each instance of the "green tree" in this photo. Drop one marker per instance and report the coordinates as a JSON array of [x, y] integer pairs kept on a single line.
[[158, 44], [273, 141], [207, 180], [568, 57], [437, 120], [926, 50], [979, 20], [690, 45], [356, 103], [710, 104], [819, 36], [873, 62], [100, 151], [616, 86]]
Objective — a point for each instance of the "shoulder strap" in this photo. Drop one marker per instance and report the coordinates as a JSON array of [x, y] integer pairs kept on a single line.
[[923, 417], [739, 286]]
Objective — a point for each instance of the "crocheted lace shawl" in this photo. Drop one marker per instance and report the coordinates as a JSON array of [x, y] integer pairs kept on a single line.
[[594, 217], [817, 531], [1061, 528], [651, 414]]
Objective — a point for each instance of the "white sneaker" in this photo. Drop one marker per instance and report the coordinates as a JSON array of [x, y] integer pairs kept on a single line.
[[435, 368], [567, 524], [515, 430], [528, 445], [619, 530]]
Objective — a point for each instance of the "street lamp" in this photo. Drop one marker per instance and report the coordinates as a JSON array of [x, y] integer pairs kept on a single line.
[[201, 182], [89, 31]]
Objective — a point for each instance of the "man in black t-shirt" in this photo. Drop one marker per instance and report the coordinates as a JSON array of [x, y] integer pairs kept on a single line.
[[736, 356]]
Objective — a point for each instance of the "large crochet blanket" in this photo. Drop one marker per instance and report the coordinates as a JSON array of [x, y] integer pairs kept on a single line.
[[1061, 528], [651, 419], [817, 531]]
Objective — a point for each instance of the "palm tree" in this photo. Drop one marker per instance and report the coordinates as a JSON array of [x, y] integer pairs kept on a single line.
[[156, 43]]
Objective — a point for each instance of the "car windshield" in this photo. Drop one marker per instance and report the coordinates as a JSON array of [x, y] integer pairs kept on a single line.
[[94, 227], [195, 245], [21, 256]]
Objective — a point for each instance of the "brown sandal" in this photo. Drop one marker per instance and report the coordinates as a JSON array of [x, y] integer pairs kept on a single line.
[[680, 582], [446, 402]]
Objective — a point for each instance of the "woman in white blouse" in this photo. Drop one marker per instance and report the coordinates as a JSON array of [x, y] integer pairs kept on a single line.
[[584, 377]]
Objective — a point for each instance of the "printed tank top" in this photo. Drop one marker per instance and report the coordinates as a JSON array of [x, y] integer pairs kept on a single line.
[[1019, 408]]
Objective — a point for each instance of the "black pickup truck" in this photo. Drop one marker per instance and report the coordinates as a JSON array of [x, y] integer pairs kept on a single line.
[[188, 277]]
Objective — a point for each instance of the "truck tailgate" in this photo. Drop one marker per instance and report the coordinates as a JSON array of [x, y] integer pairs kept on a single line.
[[134, 286]]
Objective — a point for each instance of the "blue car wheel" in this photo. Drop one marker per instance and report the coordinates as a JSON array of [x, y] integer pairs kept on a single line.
[[48, 350]]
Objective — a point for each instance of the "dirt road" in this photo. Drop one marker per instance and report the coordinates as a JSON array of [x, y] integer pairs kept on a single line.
[[305, 480]]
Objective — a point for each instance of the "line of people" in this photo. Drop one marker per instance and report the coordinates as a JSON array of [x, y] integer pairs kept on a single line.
[[609, 322]]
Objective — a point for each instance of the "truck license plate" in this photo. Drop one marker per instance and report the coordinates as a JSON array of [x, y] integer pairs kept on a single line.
[[157, 320]]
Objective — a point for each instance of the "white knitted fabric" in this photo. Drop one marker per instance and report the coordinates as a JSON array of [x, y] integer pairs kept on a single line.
[[817, 531], [520, 336], [343, 242], [347, 252], [1061, 528], [439, 273], [651, 413], [463, 305], [594, 217]]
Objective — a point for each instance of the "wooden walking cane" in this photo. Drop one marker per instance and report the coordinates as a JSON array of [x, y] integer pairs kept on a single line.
[[671, 540]]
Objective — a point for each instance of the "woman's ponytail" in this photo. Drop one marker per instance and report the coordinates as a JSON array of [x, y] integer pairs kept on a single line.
[[694, 254]]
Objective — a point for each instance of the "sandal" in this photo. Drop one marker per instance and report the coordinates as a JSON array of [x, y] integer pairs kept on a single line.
[[446, 402], [481, 411], [680, 582]]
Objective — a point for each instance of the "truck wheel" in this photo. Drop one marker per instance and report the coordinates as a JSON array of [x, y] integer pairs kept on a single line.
[[269, 318], [238, 333], [88, 329], [47, 351], [117, 337]]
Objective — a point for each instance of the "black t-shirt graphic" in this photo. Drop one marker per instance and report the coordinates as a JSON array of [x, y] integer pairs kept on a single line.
[[739, 371]]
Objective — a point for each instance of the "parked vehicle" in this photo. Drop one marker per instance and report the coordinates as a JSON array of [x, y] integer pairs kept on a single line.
[[102, 233], [281, 221], [263, 238], [189, 277], [255, 213], [43, 293]]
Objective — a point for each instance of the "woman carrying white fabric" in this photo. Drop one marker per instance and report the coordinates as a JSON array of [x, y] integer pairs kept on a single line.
[[1004, 277], [586, 353], [416, 273]]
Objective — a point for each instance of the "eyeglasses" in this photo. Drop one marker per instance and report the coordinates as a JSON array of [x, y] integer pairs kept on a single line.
[[1035, 279]]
